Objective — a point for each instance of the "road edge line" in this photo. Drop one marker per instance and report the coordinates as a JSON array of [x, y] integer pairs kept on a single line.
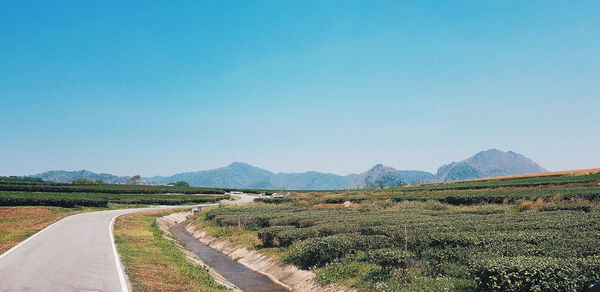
[[30, 238], [120, 271]]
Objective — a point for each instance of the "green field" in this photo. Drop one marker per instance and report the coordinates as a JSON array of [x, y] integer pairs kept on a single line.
[[32, 192], [103, 188], [100, 199], [467, 193], [526, 234]]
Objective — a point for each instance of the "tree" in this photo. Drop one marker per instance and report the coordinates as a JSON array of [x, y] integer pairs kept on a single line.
[[135, 180], [85, 181], [179, 184]]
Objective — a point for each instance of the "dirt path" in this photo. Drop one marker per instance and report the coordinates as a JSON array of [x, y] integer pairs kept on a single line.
[[238, 274]]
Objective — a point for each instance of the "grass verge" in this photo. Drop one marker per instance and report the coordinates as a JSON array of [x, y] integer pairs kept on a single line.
[[152, 262]]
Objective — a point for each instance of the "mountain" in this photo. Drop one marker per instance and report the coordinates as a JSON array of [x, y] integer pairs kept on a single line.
[[240, 175], [489, 163], [384, 176], [237, 174], [61, 176]]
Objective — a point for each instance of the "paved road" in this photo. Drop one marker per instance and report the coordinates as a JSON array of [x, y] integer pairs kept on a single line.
[[75, 254]]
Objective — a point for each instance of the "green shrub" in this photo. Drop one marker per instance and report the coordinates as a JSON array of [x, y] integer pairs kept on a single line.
[[317, 252], [180, 184], [268, 235], [536, 274], [390, 258], [289, 236], [583, 208], [85, 181], [274, 200]]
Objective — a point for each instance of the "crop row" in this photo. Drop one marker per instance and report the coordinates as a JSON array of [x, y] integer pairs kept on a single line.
[[536, 273], [454, 197], [538, 181], [20, 180], [429, 235], [105, 188], [99, 199]]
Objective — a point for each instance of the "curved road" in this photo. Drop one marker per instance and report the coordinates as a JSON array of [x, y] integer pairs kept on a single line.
[[76, 253]]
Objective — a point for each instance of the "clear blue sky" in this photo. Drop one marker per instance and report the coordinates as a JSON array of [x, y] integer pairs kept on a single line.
[[336, 86]]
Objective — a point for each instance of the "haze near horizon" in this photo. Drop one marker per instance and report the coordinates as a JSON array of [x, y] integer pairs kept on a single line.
[[334, 86]]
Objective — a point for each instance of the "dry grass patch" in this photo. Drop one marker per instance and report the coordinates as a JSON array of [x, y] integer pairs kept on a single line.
[[346, 204], [18, 223]]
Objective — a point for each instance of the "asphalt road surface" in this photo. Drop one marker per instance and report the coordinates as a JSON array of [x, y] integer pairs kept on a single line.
[[76, 253]]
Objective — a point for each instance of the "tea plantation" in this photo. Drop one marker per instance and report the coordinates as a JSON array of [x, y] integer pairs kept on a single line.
[[32, 192], [537, 234]]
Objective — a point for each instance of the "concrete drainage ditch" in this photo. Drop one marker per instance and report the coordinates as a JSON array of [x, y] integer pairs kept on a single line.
[[238, 268]]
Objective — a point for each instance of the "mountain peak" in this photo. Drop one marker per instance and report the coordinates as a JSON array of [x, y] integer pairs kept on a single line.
[[381, 167], [493, 150], [239, 165], [386, 176], [488, 163]]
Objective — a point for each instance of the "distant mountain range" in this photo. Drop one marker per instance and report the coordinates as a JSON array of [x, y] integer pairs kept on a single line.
[[245, 176], [488, 163]]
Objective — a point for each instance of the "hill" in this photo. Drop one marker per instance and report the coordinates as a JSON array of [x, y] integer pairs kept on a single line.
[[489, 163]]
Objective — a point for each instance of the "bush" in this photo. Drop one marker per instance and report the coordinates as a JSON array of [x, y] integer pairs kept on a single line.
[[536, 274], [317, 252], [85, 181], [582, 208], [180, 184], [288, 237], [274, 200], [268, 235], [390, 258]]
